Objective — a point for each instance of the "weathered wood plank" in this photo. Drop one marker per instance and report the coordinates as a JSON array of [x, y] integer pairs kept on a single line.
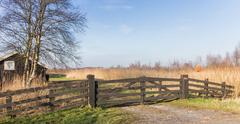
[[118, 95], [206, 87], [209, 82], [45, 104], [211, 93], [196, 85], [142, 90], [66, 92], [68, 81], [219, 84], [9, 100], [116, 102], [196, 80], [163, 92], [156, 84], [28, 108], [92, 91], [157, 98], [120, 81], [68, 99], [214, 83], [161, 79], [30, 90], [198, 91], [35, 99], [117, 89], [164, 86], [138, 80], [24, 101]]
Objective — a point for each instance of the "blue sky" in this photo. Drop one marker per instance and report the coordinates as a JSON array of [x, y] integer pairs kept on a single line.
[[121, 32]]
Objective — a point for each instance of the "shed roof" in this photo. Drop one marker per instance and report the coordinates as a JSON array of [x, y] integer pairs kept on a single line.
[[7, 56], [14, 53]]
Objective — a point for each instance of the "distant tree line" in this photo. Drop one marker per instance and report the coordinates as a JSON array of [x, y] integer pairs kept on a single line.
[[211, 61], [230, 59]]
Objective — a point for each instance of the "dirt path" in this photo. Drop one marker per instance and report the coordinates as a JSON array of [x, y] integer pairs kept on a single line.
[[166, 114]]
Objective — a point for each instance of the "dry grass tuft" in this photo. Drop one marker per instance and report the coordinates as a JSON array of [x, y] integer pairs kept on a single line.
[[17, 84]]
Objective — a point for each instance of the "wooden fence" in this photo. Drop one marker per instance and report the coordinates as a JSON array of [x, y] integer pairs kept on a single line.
[[55, 96], [93, 92], [148, 89]]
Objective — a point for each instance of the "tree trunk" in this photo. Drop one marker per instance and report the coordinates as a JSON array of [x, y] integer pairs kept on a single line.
[[38, 35], [28, 46]]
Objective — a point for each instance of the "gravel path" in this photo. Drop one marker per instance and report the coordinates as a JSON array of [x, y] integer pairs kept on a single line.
[[166, 114]]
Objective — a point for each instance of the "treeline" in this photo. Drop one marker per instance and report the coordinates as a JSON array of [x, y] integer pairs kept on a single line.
[[230, 59], [210, 61]]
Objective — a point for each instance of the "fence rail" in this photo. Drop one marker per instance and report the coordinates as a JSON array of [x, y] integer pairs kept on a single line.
[[150, 89], [54, 96], [68, 94]]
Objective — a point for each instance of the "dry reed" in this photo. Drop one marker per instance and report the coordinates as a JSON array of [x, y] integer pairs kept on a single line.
[[230, 75]]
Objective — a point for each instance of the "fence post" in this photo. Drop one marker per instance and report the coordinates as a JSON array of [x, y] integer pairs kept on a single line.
[[160, 87], [142, 85], [206, 87], [51, 100], [184, 93], [181, 87], [86, 92], [224, 93], [9, 101], [96, 92], [92, 91]]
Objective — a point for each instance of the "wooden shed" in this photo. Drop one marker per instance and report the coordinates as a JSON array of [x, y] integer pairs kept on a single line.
[[12, 67]]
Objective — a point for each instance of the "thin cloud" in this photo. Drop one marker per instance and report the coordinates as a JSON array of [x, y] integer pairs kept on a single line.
[[117, 7], [115, 1], [126, 29], [185, 20], [105, 26], [184, 28]]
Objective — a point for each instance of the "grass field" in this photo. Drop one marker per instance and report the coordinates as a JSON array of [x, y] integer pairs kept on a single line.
[[228, 105], [76, 116]]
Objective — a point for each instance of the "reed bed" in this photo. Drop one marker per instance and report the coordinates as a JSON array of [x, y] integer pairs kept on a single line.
[[230, 75], [17, 84]]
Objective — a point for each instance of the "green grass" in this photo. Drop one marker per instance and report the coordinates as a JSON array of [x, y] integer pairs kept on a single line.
[[229, 105], [76, 116], [62, 79]]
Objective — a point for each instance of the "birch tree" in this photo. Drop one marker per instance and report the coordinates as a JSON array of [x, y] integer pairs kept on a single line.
[[41, 30]]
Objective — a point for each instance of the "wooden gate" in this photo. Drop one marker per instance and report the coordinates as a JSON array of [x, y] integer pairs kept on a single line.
[[136, 90], [145, 90]]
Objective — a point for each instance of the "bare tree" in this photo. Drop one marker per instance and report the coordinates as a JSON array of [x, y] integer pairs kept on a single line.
[[214, 60], [236, 56], [157, 65], [41, 30], [227, 60], [175, 65]]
